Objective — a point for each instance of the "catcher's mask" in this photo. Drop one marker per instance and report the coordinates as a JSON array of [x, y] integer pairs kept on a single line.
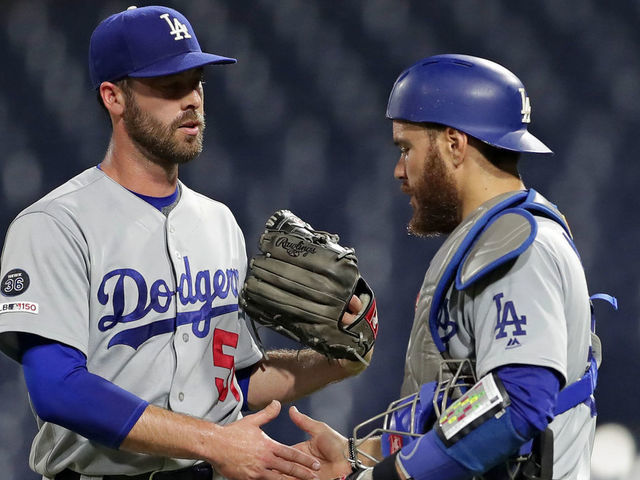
[[410, 417], [473, 95]]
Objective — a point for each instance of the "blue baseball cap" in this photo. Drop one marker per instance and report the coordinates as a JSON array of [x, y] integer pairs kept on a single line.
[[145, 42]]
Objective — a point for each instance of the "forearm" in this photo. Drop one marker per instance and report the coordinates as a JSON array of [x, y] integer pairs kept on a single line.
[[239, 450], [369, 451], [168, 434], [289, 374], [64, 392]]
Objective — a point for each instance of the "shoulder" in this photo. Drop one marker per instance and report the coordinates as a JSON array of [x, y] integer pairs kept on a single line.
[[212, 210], [62, 204], [553, 238], [514, 235], [68, 194]]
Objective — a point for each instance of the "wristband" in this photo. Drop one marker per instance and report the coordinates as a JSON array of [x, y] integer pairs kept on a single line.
[[386, 469], [353, 457]]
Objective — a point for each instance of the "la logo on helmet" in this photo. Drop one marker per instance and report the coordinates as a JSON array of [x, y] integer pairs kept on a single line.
[[178, 30], [526, 107]]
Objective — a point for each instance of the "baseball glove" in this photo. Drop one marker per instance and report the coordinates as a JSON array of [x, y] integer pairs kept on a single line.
[[301, 285]]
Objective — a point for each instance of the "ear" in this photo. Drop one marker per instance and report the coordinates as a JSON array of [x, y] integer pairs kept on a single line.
[[456, 143], [112, 98]]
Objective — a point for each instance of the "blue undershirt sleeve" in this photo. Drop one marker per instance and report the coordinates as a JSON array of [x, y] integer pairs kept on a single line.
[[243, 376], [532, 390], [64, 392]]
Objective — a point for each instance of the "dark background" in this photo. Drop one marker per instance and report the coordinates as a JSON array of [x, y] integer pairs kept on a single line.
[[299, 123]]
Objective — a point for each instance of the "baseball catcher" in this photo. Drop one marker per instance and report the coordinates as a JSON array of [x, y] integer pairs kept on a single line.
[[301, 285]]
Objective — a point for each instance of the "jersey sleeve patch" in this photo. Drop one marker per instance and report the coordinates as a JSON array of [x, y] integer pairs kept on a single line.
[[15, 282], [25, 307]]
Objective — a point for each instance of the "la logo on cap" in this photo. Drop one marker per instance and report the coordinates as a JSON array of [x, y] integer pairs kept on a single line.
[[178, 30]]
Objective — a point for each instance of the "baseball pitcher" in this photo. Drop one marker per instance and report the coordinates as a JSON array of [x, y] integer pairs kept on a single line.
[[120, 292]]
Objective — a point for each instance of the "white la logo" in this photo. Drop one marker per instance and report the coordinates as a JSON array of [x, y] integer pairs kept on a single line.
[[526, 107], [178, 30]]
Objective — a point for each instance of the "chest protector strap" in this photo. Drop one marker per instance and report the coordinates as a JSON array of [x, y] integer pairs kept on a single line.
[[501, 234], [472, 260]]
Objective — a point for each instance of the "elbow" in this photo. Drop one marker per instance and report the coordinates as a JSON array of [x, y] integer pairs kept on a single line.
[[44, 405], [51, 395]]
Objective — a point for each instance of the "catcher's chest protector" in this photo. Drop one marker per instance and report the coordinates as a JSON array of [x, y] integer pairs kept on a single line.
[[507, 223]]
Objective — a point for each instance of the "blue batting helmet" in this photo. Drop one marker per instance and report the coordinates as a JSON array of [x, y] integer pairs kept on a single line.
[[474, 95]]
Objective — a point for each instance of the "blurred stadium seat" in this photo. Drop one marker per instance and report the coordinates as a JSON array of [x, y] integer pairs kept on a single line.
[[299, 123]]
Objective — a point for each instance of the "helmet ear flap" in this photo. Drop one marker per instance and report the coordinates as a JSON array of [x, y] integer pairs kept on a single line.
[[474, 95]]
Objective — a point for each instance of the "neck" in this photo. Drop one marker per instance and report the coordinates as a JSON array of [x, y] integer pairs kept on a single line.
[[485, 183], [133, 170]]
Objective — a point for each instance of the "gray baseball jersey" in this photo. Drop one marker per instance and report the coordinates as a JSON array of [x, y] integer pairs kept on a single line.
[[151, 300], [536, 312]]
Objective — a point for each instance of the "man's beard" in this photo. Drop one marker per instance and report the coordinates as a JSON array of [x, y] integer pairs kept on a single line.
[[437, 205], [158, 141]]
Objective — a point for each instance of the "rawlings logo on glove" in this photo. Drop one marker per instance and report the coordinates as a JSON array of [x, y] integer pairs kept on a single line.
[[301, 284], [295, 249]]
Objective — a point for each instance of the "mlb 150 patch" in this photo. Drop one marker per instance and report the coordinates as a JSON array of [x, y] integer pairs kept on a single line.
[[28, 307]]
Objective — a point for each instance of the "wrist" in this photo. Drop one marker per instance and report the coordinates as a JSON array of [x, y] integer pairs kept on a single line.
[[355, 367], [388, 469], [345, 468], [351, 454], [208, 443]]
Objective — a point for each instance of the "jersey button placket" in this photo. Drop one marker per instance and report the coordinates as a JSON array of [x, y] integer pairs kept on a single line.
[[182, 338]]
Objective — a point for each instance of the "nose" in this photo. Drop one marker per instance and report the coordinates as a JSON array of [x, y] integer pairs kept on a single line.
[[400, 170], [193, 100]]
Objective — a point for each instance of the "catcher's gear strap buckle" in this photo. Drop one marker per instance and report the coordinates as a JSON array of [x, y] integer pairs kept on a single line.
[[539, 465], [486, 399]]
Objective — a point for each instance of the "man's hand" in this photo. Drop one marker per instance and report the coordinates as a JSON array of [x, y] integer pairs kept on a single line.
[[325, 444], [249, 454], [353, 367], [238, 451]]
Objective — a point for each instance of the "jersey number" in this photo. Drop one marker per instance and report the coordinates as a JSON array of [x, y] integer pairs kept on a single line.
[[13, 285], [221, 359]]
